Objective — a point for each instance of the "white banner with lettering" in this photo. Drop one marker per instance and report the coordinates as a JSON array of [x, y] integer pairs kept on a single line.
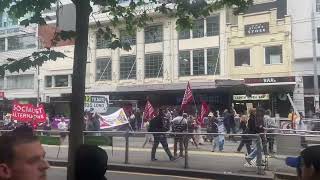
[[96, 103], [117, 118], [253, 97]]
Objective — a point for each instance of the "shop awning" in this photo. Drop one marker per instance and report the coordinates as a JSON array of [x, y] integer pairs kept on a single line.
[[272, 84]]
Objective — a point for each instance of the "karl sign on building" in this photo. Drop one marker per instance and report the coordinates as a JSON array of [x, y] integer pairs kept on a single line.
[[96, 103]]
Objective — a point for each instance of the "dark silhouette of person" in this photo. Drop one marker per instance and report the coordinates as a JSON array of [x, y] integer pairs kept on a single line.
[[90, 163]]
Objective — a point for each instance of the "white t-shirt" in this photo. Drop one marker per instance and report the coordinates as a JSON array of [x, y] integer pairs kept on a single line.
[[62, 126]]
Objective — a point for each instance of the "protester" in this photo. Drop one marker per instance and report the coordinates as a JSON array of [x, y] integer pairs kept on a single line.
[[307, 164], [62, 126], [256, 126], [270, 123], [90, 163], [179, 125], [245, 140], [158, 124], [21, 156], [191, 129], [198, 138], [138, 118], [301, 127], [212, 127], [148, 137]]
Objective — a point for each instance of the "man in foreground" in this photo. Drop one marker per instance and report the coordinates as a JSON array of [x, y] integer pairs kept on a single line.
[[307, 164], [22, 156]]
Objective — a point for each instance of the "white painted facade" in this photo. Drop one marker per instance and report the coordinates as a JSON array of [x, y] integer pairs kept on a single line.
[[169, 47], [301, 15]]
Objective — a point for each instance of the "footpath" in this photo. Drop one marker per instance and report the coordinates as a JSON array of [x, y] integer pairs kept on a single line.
[[202, 162]]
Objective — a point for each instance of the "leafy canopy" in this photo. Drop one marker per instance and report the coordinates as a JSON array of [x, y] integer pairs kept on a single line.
[[129, 16]]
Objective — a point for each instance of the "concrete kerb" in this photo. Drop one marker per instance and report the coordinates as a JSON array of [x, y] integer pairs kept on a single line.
[[175, 172]]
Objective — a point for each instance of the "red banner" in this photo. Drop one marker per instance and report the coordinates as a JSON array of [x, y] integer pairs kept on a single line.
[[27, 112], [187, 97], [204, 111]]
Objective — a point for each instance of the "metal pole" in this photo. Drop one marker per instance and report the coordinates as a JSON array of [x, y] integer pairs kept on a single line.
[[259, 156], [315, 64], [126, 161], [38, 85], [186, 158]]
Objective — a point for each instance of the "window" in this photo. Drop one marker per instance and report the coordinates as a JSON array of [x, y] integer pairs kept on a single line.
[[48, 81], [102, 43], [20, 81], [125, 37], [318, 34], [184, 63], [198, 62], [153, 34], [153, 65], [318, 5], [213, 63], [184, 34], [273, 55], [198, 28], [61, 80], [103, 69], [213, 26], [242, 57], [2, 45], [128, 67], [22, 42]]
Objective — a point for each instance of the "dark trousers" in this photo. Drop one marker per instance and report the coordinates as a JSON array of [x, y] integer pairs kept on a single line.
[[270, 139], [181, 141], [160, 138], [247, 143]]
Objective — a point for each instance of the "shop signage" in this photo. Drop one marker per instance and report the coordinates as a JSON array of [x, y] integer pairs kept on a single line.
[[96, 103], [269, 80], [254, 97], [259, 28], [28, 112]]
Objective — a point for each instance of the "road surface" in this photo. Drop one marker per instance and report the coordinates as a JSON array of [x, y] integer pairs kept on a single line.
[[199, 159], [58, 173]]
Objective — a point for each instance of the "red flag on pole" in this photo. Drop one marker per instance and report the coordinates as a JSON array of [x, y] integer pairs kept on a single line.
[[204, 111], [187, 96], [149, 112]]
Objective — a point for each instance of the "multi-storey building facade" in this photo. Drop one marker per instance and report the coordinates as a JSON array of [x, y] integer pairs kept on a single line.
[[305, 18], [260, 53], [161, 62], [17, 42]]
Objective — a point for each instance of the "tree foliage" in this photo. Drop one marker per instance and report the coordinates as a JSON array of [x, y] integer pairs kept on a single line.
[[131, 16]]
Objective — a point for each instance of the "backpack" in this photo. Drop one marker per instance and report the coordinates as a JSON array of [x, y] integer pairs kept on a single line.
[[178, 127]]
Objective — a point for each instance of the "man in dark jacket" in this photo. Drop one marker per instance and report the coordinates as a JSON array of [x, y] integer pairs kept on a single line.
[[158, 124]]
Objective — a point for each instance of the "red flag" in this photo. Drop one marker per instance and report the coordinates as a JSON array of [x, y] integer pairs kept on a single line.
[[149, 112], [204, 111], [187, 96]]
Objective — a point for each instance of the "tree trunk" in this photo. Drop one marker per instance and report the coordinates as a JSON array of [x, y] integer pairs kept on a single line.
[[83, 10]]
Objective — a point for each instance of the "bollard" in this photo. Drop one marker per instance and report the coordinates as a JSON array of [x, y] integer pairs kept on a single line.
[[126, 161], [259, 156], [186, 158]]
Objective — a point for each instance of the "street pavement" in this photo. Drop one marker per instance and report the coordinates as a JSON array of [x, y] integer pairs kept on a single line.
[[199, 159], [58, 173]]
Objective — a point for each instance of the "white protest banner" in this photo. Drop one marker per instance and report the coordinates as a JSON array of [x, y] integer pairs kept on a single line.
[[96, 103], [117, 118]]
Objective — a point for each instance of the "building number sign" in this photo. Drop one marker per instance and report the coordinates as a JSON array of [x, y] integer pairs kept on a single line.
[[259, 28]]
